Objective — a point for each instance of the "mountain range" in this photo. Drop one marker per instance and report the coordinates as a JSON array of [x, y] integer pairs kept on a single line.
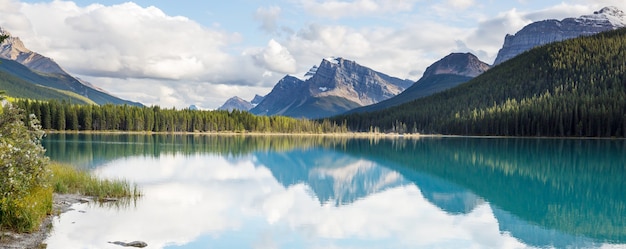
[[27, 74], [452, 70], [569, 88], [334, 87], [549, 31], [329, 93]]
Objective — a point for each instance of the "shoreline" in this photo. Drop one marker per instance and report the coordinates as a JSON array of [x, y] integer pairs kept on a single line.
[[61, 203], [345, 134]]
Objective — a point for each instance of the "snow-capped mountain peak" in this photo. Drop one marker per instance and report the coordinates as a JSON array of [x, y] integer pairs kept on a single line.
[[613, 15], [548, 31]]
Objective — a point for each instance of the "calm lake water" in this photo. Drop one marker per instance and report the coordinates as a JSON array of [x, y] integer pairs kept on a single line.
[[313, 192]]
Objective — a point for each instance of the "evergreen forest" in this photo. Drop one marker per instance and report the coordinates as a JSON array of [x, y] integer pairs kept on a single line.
[[62, 116], [572, 88]]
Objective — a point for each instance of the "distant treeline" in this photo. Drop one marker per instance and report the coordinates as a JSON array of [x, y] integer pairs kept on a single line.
[[572, 88], [55, 115]]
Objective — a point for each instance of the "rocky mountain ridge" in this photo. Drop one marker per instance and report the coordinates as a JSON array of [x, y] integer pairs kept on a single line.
[[549, 31], [448, 72], [333, 87]]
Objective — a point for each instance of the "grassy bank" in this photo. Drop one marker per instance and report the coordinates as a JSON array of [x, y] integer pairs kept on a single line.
[[68, 180], [26, 214]]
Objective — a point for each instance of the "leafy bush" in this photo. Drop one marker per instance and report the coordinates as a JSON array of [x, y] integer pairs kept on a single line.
[[24, 192]]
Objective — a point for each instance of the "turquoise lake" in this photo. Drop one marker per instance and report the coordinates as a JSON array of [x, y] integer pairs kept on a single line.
[[322, 192]]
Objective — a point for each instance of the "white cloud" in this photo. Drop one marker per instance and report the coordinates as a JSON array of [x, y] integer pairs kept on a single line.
[[168, 93], [12, 19], [460, 4], [127, 41], [268, 18], [338, 9], [401, 52], [276, 58]]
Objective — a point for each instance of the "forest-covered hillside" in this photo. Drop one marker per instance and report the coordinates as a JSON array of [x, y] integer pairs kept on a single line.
[[571, 88]]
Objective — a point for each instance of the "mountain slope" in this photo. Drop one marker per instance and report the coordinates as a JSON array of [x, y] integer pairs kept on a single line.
[[571, 88], [19, 88], [450, 71], [41, 70], [334, 87], [235, 103], [548, 31]]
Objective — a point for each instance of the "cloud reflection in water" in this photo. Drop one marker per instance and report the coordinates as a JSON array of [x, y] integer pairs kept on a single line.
[[210, 201]]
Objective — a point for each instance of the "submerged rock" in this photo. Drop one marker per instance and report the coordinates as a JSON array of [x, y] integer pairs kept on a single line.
[[139, 244]]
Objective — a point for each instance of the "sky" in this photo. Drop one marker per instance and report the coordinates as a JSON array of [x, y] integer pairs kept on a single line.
[[182, 53]]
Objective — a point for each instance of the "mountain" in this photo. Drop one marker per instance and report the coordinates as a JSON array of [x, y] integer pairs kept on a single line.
[[236, 103], [20, 88], [43, 71], [334, 178], [335, 86], [548, 31], [257, 99], [450, 71], [569, 88]]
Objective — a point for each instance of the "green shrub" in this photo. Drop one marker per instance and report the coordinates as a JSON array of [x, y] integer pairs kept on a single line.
[[27, 184], [24, 194]]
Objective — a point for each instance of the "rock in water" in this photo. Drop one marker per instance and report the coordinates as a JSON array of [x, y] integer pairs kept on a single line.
[[138, 244]]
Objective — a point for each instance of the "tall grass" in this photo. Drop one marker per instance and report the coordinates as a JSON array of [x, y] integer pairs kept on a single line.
[[25, 214], [67, 179]]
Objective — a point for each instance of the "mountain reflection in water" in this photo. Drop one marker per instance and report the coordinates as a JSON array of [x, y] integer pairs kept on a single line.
[[364, 193]]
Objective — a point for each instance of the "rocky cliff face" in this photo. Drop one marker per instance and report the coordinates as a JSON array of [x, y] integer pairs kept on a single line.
[[463, 64], [548, 31], [13, 49], [335, 86], [349, 80], [450, 71]]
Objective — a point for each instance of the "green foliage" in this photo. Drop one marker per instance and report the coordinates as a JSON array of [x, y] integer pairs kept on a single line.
[[26, 183], [23, 190], [572, 88], [62, 115]]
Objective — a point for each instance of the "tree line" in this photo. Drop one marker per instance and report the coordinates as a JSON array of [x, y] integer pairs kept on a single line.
[[572, 88], [62, 116]]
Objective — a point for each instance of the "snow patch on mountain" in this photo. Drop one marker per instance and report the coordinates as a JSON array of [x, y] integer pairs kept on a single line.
[[333, 60], [310, 73]]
